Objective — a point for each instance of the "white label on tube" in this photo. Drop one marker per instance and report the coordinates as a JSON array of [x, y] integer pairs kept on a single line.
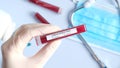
[[61, 34]]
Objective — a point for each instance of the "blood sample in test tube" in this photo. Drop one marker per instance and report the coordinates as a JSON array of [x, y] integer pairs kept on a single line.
[[60, 34], [47, 5], [41, 18]]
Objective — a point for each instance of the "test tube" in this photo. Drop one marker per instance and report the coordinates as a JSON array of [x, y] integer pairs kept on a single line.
[[60, 34], [41, 18], [47, 5]]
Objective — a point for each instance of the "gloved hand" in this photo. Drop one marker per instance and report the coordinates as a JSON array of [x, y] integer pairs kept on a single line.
[[12, 49]]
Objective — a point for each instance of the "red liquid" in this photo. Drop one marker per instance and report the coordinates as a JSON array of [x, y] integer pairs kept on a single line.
[[46, 5], [41, 18]]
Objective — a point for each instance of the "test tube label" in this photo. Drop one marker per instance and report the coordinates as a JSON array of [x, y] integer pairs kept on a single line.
[[61, 34]]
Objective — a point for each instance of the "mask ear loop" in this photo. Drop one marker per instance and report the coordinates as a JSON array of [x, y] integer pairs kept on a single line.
[[91, 52]]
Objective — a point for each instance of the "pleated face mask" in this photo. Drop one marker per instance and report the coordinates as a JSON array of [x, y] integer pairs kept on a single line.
[[103, 26]]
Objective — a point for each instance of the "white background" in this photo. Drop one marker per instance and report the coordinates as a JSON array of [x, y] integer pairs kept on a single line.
[[70, 54]]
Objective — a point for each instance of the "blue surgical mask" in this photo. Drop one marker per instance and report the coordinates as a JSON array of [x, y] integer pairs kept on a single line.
[[103, 27]]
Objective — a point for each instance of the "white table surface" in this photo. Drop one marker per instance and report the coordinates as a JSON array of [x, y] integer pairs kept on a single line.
[[70, 54]]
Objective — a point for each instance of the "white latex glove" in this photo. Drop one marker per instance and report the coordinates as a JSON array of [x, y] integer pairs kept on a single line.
[[12, 49], [6, 26]]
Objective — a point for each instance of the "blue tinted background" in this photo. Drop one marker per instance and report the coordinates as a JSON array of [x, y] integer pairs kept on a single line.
[[70, 54]]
